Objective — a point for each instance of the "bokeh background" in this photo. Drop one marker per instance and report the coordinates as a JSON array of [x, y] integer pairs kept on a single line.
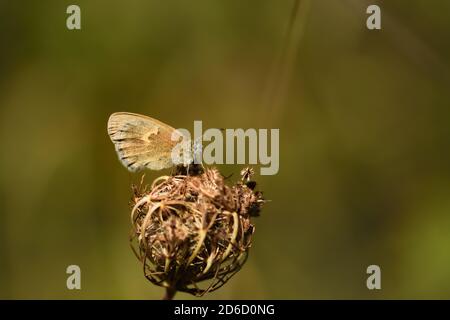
[[364, 131]]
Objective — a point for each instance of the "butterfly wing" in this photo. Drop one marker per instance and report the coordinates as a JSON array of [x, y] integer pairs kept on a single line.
[[141, 142]]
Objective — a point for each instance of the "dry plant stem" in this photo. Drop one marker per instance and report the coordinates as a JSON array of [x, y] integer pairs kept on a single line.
[[170, 293], [280, 77]]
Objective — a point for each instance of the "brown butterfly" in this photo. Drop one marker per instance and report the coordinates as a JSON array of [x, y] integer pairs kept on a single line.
[[142, 142]]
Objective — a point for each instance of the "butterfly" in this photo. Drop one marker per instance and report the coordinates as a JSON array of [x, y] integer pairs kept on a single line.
[[142, 142]]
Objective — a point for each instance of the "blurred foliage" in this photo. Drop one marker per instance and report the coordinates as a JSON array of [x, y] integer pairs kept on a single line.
[[365, 142]]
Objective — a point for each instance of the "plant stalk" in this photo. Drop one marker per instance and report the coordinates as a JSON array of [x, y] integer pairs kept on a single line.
[[170, 293]]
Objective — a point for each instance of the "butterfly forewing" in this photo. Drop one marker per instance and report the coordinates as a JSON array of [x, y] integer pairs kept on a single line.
[[142, 142]]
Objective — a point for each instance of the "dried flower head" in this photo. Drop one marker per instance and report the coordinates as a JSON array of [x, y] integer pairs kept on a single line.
[[192, 228]]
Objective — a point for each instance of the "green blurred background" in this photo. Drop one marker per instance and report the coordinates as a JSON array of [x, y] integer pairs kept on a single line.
[[364, 132]]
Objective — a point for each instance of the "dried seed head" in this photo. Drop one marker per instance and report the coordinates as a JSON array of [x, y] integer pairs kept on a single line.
[[193, 228]]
